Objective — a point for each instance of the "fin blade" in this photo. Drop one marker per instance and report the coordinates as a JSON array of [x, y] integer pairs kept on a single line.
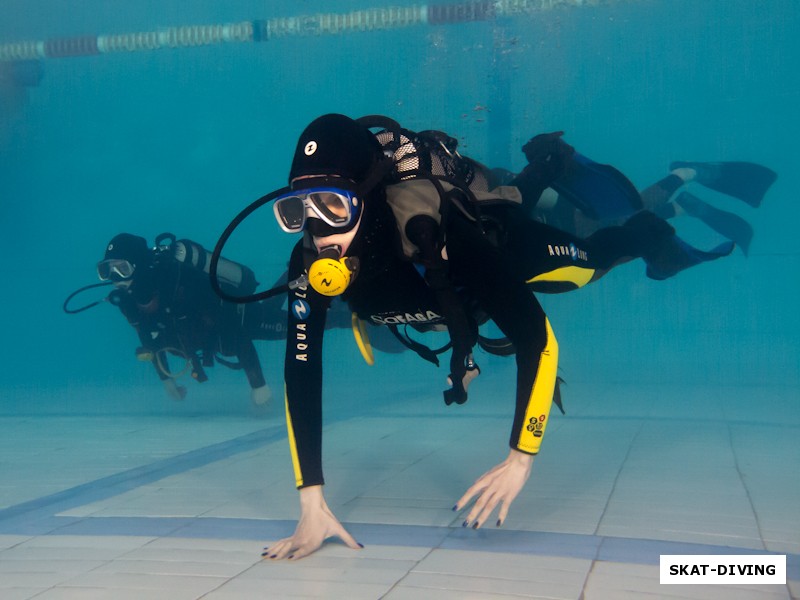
[[746, 181], [601, 191], [681, 256], [728, 224]]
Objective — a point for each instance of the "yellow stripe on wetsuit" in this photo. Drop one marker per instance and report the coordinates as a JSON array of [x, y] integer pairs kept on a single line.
[[538, 411], [577, 275], [298, 474]]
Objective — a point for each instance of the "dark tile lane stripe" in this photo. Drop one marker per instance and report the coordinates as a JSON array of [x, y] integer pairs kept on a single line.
[[124, 481], [535, 543]]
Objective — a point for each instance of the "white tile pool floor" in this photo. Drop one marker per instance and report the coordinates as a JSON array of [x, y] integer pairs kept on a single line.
[[181, 507]]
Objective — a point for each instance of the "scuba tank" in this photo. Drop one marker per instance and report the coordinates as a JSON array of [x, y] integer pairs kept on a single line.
[[234, 277]]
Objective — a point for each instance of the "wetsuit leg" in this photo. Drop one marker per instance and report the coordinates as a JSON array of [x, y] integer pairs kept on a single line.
[[531, 186], [555, 261]]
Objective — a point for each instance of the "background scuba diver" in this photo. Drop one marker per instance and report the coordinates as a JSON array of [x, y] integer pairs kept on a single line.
[[571, 192], [403, 241], [166, 296]]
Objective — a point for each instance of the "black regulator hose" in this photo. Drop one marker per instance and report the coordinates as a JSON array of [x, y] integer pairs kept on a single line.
[[217, 253], [83, 289]]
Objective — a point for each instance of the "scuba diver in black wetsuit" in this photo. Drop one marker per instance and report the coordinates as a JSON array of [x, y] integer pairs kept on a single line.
[[571, 192], [166, 296], [400, 228]]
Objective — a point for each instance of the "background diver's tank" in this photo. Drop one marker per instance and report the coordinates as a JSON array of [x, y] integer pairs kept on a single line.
[[234, 278]]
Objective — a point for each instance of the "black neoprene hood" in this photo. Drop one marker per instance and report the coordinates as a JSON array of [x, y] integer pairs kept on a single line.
[[334, 144], [127, 246]]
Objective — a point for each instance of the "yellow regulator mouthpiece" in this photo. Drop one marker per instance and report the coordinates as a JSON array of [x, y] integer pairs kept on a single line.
[[329, 276]]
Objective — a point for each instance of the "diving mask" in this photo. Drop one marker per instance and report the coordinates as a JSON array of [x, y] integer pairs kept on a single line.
[[115, 269], [330, 274], [336, 207]]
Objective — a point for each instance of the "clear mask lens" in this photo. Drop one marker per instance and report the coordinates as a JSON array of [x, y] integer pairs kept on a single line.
[[114, 269], [291, 213], [332, 206]]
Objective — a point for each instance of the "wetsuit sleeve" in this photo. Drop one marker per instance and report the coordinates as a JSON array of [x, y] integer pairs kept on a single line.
[[491, 280], [303, 376]]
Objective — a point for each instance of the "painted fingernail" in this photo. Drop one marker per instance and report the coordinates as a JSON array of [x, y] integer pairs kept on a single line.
[[291, 557], [455, 507], [263, 554], [274, 556], [475, 525], [499, 522], [360, 545], [465, 523]]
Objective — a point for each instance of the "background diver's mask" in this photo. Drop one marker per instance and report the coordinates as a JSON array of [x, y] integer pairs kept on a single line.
[[114, 269]]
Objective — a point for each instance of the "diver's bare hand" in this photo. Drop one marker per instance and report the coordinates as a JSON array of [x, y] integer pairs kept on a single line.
[[317, 524], [500, 485]]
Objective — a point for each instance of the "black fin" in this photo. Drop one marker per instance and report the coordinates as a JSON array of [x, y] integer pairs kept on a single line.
[[743, 180], [677, 255], [732, 226]]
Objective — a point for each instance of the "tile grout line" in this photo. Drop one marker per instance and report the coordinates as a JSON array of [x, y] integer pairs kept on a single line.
[[744, 486], [598, 550], [619, 473]]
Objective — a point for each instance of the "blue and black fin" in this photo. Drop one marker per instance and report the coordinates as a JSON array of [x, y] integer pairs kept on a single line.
[[600, 191]]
